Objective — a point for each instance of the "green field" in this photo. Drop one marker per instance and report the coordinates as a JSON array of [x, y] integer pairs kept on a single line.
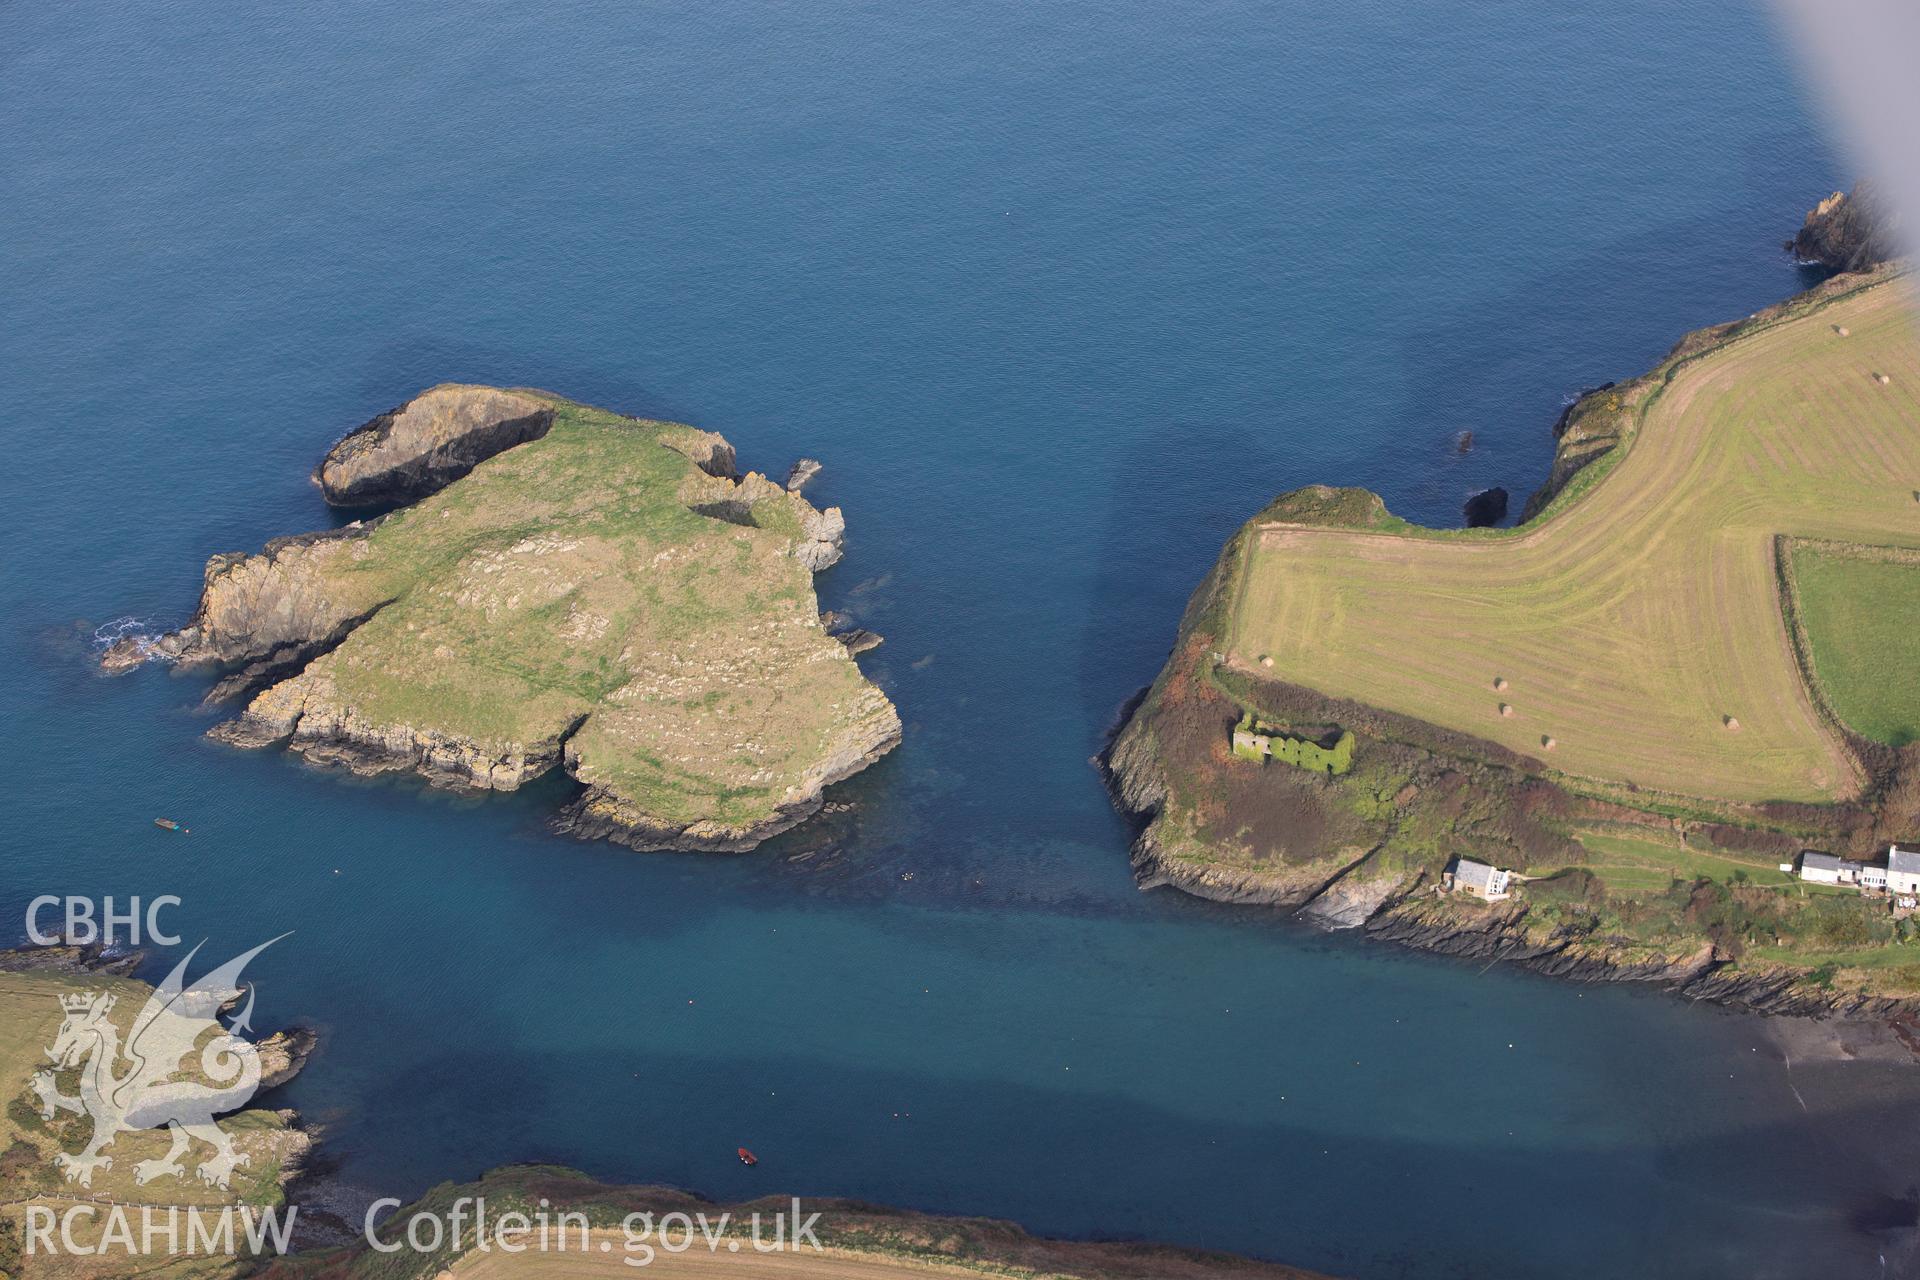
[[1634, 634], [1863, 620]]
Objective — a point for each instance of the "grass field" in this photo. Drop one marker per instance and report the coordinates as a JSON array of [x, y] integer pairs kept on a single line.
[[1863, 620], [1645, 863], [1639, 627]]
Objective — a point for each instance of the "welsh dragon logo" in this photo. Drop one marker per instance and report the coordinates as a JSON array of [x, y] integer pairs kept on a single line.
[[155, 1088]]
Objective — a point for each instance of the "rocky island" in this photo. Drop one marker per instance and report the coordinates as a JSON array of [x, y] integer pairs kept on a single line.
[[1636, 711], [565, 588]]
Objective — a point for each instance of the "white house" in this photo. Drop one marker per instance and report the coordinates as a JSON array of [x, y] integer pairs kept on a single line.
[[1483, 881], [1903, 870], [1873, 876], [1824, 868]]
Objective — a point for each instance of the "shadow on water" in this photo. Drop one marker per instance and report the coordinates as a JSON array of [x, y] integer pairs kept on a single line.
[[1176, 496]]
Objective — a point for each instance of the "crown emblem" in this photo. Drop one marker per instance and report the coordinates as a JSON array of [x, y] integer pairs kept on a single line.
[[84, 1001]]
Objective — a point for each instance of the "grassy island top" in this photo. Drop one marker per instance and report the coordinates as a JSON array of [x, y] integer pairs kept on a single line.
[[1635, 633], [595, 588]]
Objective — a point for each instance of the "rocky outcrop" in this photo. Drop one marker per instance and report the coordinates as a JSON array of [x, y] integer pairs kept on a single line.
[[427, 443], [1852, 231], [1353, 898], [802, 472], [823, 538], [69, 958], [126, 653], [707, 450], [1486, 508], [284, 1053], [265, 615], [284, 604], [843, 628], [859, 639]]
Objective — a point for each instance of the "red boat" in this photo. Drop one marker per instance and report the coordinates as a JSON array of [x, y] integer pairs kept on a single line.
[[747, 1157]]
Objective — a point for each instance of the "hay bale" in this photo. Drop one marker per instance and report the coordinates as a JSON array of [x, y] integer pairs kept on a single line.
[[1840, 329], [1732, 722], [1506, 709], [1547, 742], [1883, 379], [1499, 684], [1266, 660]]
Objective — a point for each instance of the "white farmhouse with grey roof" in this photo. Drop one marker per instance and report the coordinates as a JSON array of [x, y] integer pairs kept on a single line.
[[1824, 868], [1903, 870], [1481, 880]]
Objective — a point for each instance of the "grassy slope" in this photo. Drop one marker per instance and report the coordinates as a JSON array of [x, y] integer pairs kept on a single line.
[[1642, 610], [1863, 620], [694, 642]]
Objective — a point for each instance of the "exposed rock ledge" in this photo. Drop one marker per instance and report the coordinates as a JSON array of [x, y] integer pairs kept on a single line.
[[427, 443], [284, 1053], [605, 597]]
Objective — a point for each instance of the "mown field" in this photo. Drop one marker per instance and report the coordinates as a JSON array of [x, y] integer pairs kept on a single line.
[[1639, 628]]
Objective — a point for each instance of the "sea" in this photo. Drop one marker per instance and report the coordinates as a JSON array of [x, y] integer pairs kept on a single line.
[[1059, 294]]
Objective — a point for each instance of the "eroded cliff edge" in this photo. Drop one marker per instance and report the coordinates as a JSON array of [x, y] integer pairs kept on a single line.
[[569, 588], [1366, 848]]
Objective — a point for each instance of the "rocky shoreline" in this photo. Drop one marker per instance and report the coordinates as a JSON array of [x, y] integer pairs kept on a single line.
[[1407, 912]]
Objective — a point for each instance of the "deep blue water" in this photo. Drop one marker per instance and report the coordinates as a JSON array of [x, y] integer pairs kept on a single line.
[[1059, 294]]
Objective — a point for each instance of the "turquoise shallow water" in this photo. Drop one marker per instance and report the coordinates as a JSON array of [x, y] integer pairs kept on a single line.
[[1059, 294]]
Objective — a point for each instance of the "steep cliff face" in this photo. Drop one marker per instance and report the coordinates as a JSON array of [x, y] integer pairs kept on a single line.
[[1851, 231], [428, 443], [606, 598]]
